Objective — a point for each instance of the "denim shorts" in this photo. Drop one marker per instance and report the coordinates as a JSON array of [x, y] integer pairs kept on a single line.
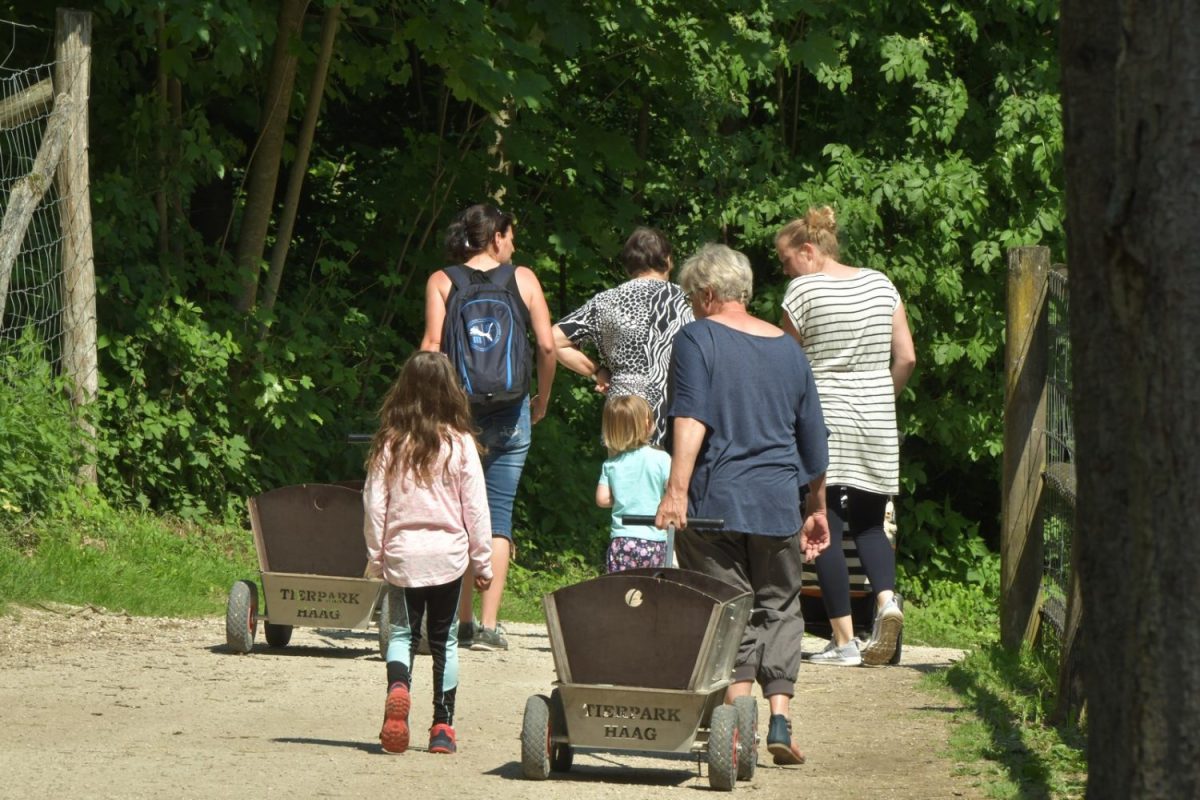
[[506, 433]]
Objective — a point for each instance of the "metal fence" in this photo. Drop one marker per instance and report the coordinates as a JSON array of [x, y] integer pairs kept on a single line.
[[1058, 501]]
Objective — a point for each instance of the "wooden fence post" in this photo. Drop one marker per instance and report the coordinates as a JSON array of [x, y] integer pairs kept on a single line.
[[1025, 362], [73, 74]]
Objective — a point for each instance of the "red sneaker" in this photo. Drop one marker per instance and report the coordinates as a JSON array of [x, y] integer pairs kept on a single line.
[[441, 739], [394, 734]]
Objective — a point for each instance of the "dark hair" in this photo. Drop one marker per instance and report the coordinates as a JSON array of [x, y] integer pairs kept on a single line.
[[473, 229], [424, 404], [645, 249]]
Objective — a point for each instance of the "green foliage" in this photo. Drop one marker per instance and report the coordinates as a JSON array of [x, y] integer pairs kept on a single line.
[[934, 130], [1005, 740], [172, 439], [948, 613], [41, 445]]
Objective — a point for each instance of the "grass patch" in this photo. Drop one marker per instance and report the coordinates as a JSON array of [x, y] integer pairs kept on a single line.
[[1004, 739], [122, 560], [947, 614]]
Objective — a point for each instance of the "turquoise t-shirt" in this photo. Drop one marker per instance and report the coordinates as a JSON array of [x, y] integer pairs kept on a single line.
[[636, 479]]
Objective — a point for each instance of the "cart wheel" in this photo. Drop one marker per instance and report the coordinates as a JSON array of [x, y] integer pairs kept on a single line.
[[562, 756], [535, 738], [747, 719], [277, 635], [385, 628], [723, 748], [241, 616]]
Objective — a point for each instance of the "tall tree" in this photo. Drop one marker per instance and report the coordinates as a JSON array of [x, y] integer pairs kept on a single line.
[[263, 171], [1130, 83], [291, 201]]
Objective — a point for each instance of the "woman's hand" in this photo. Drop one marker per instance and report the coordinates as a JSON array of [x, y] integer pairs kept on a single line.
[[814, 536], [603, 378], [537, 409]]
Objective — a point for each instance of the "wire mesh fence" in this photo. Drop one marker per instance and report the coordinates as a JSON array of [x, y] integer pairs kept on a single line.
[[47, 282], [32, 297], [1058, 503]]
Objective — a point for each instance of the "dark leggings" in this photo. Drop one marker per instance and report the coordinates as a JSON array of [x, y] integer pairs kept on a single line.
[[437, 607], [858, 514]]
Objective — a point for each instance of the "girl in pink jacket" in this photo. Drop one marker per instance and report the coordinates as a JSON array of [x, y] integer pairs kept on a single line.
[[426, 517]]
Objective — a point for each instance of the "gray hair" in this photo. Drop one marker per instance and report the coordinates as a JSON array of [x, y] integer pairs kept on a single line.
[[721, 269]]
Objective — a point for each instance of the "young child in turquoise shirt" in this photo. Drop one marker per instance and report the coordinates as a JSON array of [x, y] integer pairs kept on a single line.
[[632, 481]]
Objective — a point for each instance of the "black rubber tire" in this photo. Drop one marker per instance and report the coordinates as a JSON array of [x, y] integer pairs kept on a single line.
[[241, 616], [277, 635], [723, 748], [385, 632], [562, 755], [535, 738], [747, 715]]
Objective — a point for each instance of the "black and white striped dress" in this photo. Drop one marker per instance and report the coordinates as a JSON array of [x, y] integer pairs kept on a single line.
[[633, 325], [845, 325]]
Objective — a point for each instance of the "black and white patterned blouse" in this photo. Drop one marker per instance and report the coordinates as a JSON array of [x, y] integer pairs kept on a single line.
[[632, 326]]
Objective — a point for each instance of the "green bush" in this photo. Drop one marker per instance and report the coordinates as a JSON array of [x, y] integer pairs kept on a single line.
[[41, 446], [172, 439], [949, 613]]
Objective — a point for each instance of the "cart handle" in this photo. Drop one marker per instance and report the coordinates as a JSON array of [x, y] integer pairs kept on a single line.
[[358, 438], [700, 523]]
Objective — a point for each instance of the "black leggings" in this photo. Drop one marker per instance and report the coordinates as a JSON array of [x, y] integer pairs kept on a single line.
[[858, 514]]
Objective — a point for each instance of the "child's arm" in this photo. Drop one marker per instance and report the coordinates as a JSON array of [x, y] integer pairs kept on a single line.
[[375, 497], [604, 497]]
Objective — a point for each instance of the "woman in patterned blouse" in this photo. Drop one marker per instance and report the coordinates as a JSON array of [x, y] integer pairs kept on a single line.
[[631, 327]]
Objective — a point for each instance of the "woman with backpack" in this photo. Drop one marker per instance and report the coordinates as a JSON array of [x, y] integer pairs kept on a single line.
[[479, 311]]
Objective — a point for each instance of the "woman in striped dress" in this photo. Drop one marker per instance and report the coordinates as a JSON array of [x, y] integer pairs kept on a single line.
[[852, 325]]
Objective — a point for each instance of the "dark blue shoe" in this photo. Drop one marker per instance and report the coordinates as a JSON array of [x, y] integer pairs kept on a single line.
[[779, 742]]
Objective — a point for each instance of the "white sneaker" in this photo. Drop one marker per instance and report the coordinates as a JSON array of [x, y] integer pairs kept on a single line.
[[885, 634], [845, 656]]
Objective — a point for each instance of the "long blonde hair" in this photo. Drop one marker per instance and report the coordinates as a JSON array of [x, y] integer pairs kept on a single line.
[[422, 410], [817, 227]]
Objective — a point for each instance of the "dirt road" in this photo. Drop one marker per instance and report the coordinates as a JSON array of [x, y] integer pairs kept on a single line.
[[101, 705]]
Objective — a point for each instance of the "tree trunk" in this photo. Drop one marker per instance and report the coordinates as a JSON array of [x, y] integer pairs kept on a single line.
[[1131, 77], [308, 127], [164, 103], [263, 171]]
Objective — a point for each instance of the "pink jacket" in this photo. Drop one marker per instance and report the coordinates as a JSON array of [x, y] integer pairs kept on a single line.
[[422, 536]]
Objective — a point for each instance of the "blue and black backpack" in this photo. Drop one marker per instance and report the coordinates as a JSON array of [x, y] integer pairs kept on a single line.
[[486, 335]]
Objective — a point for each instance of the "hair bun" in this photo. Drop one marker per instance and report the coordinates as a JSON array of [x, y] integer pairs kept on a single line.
[[822, 218]]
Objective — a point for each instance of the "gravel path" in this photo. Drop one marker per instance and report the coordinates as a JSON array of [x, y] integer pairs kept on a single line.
[[103, 705]]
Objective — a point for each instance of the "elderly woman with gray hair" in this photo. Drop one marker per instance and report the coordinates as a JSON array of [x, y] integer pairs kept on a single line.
[[747, 434]]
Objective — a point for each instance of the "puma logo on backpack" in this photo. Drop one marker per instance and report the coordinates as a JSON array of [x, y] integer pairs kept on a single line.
[[485, 335]]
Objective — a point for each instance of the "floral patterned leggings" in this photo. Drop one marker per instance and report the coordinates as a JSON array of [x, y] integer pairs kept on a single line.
[[630, 552]]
